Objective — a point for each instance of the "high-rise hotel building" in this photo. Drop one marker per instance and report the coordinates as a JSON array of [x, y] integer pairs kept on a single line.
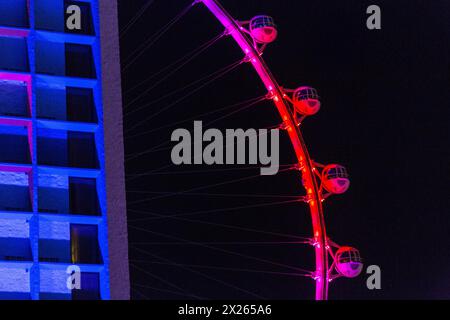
[[62, 191]]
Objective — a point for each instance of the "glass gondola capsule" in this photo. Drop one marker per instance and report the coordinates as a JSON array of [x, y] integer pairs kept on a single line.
[[335, 179], [348, 262], [306, 101], [263, 29]]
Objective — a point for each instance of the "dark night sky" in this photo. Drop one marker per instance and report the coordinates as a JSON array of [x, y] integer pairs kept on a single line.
[[385, 114]]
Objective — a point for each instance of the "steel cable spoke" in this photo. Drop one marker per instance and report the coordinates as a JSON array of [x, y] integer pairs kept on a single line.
[[226, 268], [163, 280], [155, 148], [220, 75], [242, 255], [195, 117], [186, 56], [208, 186], [136, 17], [162, 290], [201, 171], [170, 74], [202, 274], [237, 243], [195, 155], [136, 54], [233, 227], [261, 205]]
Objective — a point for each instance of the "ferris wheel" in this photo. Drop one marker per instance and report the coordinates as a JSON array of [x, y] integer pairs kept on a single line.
[[320, 181]]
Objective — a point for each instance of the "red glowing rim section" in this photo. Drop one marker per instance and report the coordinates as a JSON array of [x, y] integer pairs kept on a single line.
[[304, 160]]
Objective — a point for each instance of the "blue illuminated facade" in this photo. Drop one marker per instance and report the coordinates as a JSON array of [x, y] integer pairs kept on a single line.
[[53, 173]]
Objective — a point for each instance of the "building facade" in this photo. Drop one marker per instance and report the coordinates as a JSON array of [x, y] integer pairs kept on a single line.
[[63, 232]]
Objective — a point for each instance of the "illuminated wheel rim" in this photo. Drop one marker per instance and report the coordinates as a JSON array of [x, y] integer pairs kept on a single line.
[[305, 163]]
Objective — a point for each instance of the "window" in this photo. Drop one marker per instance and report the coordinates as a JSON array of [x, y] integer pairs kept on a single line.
[[308, 93], [49, 15], [14, 13], [90, 287], [14, 98], [80, 105], [83, 196], [15, 249], [14, 144], [51, 102], [52, 147], [261, 22], [67, 148], [337, 172], [53, 193], [15, 193], [54, 250], [332, 173], [64, 103], [50, 58], [64, 59], [14, 53], [79, 62], [82, 150], [84, 244], [14, 240]]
